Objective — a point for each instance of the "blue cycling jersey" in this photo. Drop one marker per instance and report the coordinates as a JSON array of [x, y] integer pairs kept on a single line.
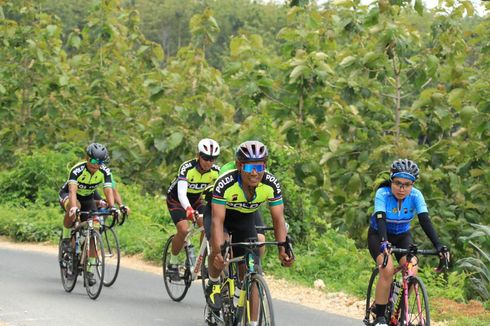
[[398, 221]]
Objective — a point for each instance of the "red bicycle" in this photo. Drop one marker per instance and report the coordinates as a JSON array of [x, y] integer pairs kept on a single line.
[[408, 303]]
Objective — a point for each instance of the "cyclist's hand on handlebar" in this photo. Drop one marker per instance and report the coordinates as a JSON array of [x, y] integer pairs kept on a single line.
[[444, 258], [286, 261], [73, 211], [190, 213], [385, 247], [124, 209]]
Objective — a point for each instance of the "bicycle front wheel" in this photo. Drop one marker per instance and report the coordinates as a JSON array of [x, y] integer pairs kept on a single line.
[[94, 266], [178, 280], [370, 312], [112, 254], [68, 267], [258, 303], [415, 311]]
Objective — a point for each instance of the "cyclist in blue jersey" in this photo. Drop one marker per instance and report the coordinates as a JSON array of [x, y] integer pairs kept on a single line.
[[396, 203]]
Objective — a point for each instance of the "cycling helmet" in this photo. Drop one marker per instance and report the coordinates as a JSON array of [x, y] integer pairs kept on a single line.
[[98, 152], [208, 147], [404, 168], [251, 151]]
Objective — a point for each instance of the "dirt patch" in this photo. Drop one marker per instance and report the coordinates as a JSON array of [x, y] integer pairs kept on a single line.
[[472, 308]]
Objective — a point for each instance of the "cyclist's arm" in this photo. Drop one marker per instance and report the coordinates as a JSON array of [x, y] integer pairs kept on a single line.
[[72, 194], [182, 193], [380, 213], [429, 230], [217, 221], [277, 213], [109, 196]]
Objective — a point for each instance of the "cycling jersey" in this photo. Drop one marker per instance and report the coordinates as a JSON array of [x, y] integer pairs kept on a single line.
[[196, 180], [398, 220], [85, 181], [228, 191]]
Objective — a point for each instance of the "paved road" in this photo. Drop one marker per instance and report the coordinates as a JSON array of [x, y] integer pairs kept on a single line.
[[31, 294]]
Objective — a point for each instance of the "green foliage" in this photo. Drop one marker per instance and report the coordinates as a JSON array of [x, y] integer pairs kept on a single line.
[[38, 176]]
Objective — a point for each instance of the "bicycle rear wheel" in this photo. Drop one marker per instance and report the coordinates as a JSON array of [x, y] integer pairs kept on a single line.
[[112, 254], [370, 312], [415, 312], [262, 311], [93, 270], [68, 267], [178, 283]]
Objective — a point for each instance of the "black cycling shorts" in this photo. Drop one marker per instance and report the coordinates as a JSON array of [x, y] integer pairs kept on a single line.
[[87, 203], [403, 241], [177, 212]]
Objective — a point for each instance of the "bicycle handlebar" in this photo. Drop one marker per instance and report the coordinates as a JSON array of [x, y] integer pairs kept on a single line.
[[100, 212], [414, 251]]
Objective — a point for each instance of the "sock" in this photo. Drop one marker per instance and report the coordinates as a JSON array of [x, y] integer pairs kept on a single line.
[[66, 233], [214, 279], [380, 310], [253, 323], [174, 260]]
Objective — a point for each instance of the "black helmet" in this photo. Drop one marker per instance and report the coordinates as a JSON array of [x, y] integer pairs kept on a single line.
[[251, 151], [98, 152], [404, 168]]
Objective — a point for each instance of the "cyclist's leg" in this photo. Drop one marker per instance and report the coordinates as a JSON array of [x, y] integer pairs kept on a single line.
[[260, 234], [385, 275], [68, 220], [404, 241], [177, 213]]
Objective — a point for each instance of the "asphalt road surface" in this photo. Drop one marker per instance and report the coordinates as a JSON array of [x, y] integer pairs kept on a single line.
[[31, 294]]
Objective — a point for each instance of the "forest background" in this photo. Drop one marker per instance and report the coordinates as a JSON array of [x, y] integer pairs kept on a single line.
[[336, 91]]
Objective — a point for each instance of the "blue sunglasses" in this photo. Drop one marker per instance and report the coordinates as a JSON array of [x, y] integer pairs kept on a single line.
[[258, 167]]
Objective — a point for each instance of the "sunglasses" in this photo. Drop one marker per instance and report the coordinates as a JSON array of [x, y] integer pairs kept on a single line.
[[258, 167], [402, 185], [208, 158], [95, 161]]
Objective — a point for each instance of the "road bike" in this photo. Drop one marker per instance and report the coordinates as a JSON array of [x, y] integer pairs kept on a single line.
[[85, 254], [112, 250], [254, 300], [190, 267], [408, 303]]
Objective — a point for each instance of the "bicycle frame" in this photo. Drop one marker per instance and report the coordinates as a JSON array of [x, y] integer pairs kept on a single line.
[[196, 267]]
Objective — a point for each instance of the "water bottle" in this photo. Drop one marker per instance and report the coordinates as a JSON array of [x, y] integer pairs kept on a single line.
[[191, 254]]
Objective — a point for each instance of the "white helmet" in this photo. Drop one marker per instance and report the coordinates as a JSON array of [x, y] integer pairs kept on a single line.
[[208, 147]]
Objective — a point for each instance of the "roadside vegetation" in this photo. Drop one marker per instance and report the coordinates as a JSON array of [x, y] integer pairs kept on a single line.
[[336, 92]]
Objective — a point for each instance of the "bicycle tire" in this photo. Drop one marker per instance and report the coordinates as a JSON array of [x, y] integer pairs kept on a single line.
[[176, 287], [265, 307], [112, 253], [68, 265], [204, 271], [370, 313], [97, 268], [417, 293]]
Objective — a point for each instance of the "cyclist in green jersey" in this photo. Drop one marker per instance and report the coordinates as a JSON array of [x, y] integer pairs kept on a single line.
[[78, 191], [184, 194], [237, 194]]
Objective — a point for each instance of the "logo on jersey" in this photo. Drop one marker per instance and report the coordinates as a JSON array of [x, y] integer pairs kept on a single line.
[[405, 211], [105, 169], [234, 197], [79, 170], [243, 205], [223, 182], [197, 186], [395, 210], [185, 167], [273, 179]]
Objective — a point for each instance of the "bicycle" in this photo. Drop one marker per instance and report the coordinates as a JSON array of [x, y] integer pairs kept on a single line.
[[74, 260], [238, 310], [112, 249], [408, 303], [189, 266]]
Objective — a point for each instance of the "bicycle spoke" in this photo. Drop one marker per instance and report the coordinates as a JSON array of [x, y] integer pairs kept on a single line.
[[417, 312], [176, 282], [112, 256], [94, 265]]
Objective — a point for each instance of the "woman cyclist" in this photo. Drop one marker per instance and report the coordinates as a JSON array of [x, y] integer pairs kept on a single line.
[[396, 203]]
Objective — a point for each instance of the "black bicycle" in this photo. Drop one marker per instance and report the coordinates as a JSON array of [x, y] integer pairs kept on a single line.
[[84, 255], [254, 301]]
